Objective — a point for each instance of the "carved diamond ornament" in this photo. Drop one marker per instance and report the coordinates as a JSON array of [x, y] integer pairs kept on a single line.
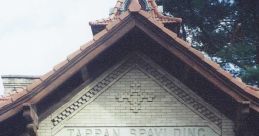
[[135, 97]]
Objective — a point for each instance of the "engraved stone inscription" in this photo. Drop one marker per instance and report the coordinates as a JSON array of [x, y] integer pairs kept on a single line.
[[135, 97], [137, 131]]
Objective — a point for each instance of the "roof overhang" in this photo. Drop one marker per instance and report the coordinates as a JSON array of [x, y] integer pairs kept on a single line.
[[114, 31]]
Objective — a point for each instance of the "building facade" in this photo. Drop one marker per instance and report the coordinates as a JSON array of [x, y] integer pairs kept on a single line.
[[135, 78]]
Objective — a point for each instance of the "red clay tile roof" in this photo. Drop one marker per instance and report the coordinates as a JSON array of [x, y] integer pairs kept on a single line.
[[89, 52], [156, 15]]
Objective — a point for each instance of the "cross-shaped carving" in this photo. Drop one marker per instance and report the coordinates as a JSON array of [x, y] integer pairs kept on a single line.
[[135, 97]]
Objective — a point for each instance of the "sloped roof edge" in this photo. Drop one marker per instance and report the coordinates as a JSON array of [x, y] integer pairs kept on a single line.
[[11, 104]]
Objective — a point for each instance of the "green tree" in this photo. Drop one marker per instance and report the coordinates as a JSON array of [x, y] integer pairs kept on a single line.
[[227, 30]]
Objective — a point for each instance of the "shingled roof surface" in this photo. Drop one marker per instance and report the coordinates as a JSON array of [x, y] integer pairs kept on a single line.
[[9, 104]]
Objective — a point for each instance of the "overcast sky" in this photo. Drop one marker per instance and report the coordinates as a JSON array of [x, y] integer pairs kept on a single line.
[[35, 35]]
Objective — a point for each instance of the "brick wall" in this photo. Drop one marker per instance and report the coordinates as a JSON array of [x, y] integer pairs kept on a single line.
[[135, 98]]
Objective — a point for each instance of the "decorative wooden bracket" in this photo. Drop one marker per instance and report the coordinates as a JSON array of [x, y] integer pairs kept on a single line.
[[31, 118], [84, 73], [243, 111]]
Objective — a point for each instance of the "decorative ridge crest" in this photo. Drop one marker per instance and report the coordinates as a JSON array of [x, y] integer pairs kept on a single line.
[[148, 6]]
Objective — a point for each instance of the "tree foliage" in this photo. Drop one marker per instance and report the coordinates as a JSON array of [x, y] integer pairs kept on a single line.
[[227, 30]]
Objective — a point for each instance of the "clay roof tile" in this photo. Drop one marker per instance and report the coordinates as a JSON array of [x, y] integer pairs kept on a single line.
[[100, 34], [60, 65], [35, 83], [83, 47], [20, 92], [74, 54], [5, 101], [47, 75]]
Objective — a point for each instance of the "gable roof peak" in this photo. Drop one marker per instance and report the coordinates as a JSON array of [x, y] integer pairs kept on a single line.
[[122, 6], [134, 6]]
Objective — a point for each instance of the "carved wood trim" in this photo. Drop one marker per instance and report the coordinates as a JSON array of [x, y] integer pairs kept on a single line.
[[242, 114], [31, 118]]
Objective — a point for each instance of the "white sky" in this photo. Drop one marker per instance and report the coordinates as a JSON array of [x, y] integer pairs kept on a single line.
[[35, 35]]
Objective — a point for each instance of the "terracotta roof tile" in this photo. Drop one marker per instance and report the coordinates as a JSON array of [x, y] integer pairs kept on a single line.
[[225, 73], [74, 54], [5, 101], [134, 6], [20, 92], [111, 25], [47, 75], [60, 65], [83, 47], [183, 43], [34, 84], [100, 34], [239, 83], [212, 63], [251, 91], [171, 33], [145, 14], [158, 23], [254, 88], [124, 15], [197, 53]]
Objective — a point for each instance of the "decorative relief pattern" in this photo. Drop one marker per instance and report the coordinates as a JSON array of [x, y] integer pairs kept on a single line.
[[189, 100], [91, 93], [135, 97]]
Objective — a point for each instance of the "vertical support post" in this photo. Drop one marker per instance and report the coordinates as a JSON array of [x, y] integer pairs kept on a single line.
[[31, 118], [242, 113]]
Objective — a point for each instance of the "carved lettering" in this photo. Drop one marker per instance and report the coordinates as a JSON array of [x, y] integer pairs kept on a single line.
[[177, 132], [78, 133], [141, 131], [70, 131], [116, 133], [98, 132], [133, 132], [88, 132], [159, 132], [191, 132], [150, 132], [201, 132], [106, 133]]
